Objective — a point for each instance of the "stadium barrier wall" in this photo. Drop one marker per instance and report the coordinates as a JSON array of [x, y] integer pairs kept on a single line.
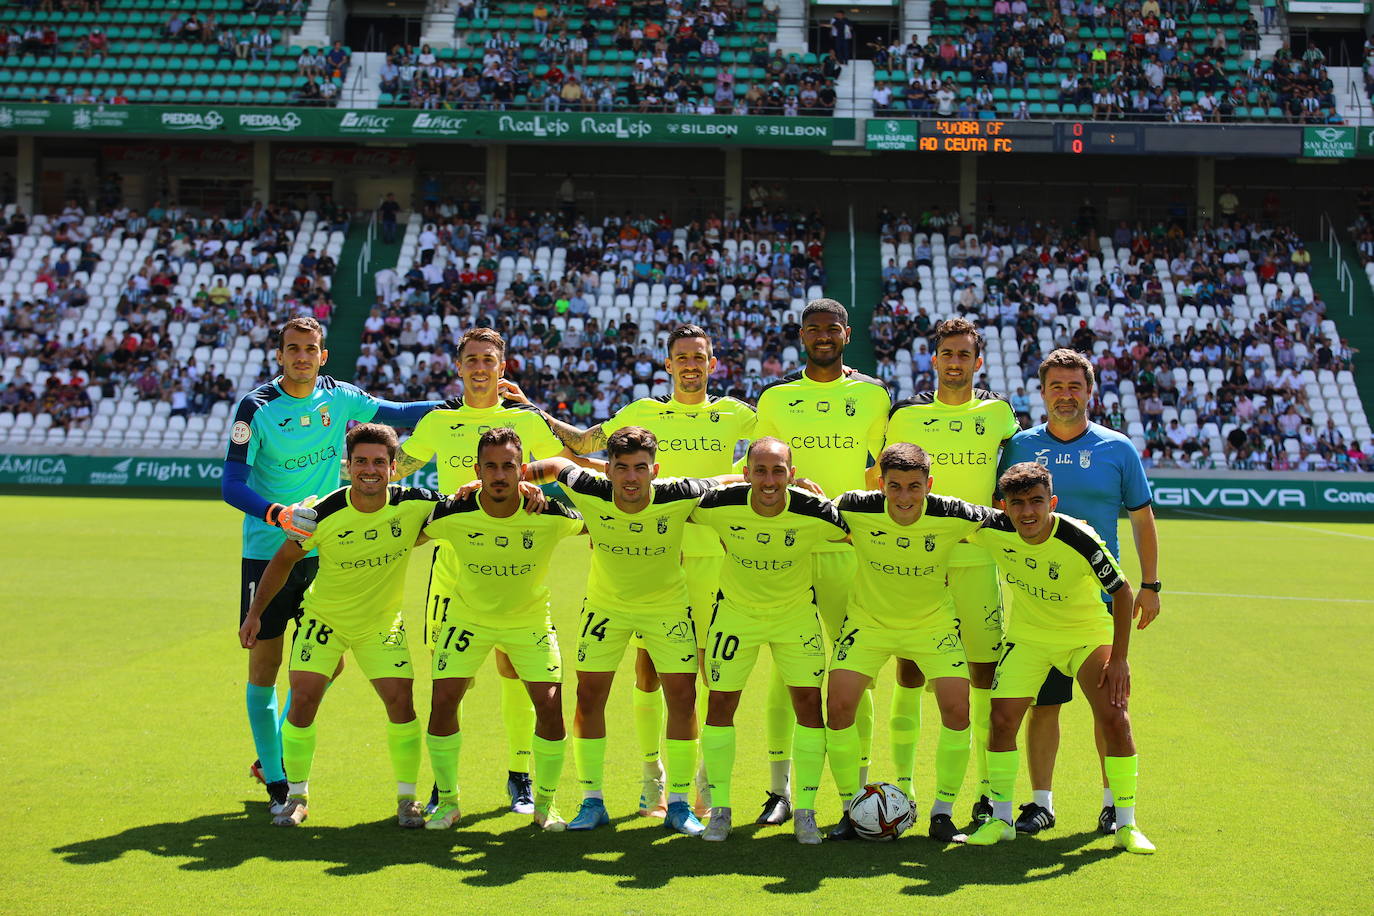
[[196, 121], [1230, 490]]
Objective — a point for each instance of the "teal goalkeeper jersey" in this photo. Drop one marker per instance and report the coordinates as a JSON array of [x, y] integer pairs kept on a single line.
[[293, 447]]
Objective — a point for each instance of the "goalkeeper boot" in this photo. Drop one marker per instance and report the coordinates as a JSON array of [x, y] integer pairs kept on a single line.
[[719, 827], [520, 790], [276, 794], [1034, 818], [805, 829], [777, 810], [294, 814], [680, 819], [410, 814], [444, 816], [982, 810], [994, 830], [433, 804], [652, 801], [590, 815], [255, 770], [942, 830], [844, 830], [1129, 838], [1106, 819]]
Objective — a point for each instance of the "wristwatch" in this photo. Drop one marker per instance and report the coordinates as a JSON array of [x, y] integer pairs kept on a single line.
[[1152, 586]]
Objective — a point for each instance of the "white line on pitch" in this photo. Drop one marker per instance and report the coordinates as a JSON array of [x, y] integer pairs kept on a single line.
[[1277, 597], [1261, 521]]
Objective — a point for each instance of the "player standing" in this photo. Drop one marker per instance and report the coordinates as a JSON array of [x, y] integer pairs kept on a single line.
[[961, 428], [1056, 568], [697, 435], [833, 421], [1097, 472], [364, 534], [284, 448], [449, 437], [636, 584], [904, 537], [499, 601], [769, 531]]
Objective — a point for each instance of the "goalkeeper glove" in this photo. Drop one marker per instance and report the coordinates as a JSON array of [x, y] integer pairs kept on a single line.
[[297, 521]]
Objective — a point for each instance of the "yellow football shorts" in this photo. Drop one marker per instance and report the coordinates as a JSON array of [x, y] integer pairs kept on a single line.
[[1022, 669], [317, 647], [462, 648], [865, 648], [734, 638], [668, 635], [977, 597]]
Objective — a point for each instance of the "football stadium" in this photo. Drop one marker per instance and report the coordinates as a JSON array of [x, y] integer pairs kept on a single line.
[[668, 453]]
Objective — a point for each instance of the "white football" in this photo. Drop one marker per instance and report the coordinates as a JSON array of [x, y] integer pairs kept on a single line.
[[881, 811]]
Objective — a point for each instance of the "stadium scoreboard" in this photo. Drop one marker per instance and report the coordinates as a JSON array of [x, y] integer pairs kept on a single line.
[[1076, 138]]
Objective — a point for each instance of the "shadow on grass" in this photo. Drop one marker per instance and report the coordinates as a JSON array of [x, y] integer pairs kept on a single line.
[[643, 857]]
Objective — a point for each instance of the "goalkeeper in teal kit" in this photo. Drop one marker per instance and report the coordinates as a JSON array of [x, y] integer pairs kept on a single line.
[[285, 448]]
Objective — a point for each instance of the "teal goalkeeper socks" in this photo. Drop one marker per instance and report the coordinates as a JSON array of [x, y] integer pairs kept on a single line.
[[262, 721]]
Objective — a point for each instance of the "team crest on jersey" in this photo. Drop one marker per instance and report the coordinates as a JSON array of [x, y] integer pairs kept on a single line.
[[930, 542], [823, 406], [715, 671], [395, 528], [851, 406], [1054, 570], [715, 416], [980, 425], [636, 527], [764, 537], [324, 414], [370, 534], [904, 542], [1085, 458], [442, 663], [305, 652], [502, 540], [527, 539], [956, 425], [1030, 561], [662, 524], [790, 537]]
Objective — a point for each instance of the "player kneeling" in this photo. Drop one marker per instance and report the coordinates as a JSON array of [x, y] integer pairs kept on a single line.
[[903, 536], [364, 535], [1056, 567], [498, 601]]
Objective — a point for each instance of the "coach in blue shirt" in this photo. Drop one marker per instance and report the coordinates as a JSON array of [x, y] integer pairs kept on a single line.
[[1096, 472]]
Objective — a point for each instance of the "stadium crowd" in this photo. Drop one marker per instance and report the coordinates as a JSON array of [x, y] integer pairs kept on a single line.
[[1159, 70], [1252, 385], [672, 61], [55, 355], [584, 333]]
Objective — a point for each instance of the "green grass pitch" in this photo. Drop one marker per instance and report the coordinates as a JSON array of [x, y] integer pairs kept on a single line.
[[126, 753]]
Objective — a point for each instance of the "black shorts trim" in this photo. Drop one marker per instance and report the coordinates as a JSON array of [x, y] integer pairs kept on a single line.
[[286, 606], [1057, 689]]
